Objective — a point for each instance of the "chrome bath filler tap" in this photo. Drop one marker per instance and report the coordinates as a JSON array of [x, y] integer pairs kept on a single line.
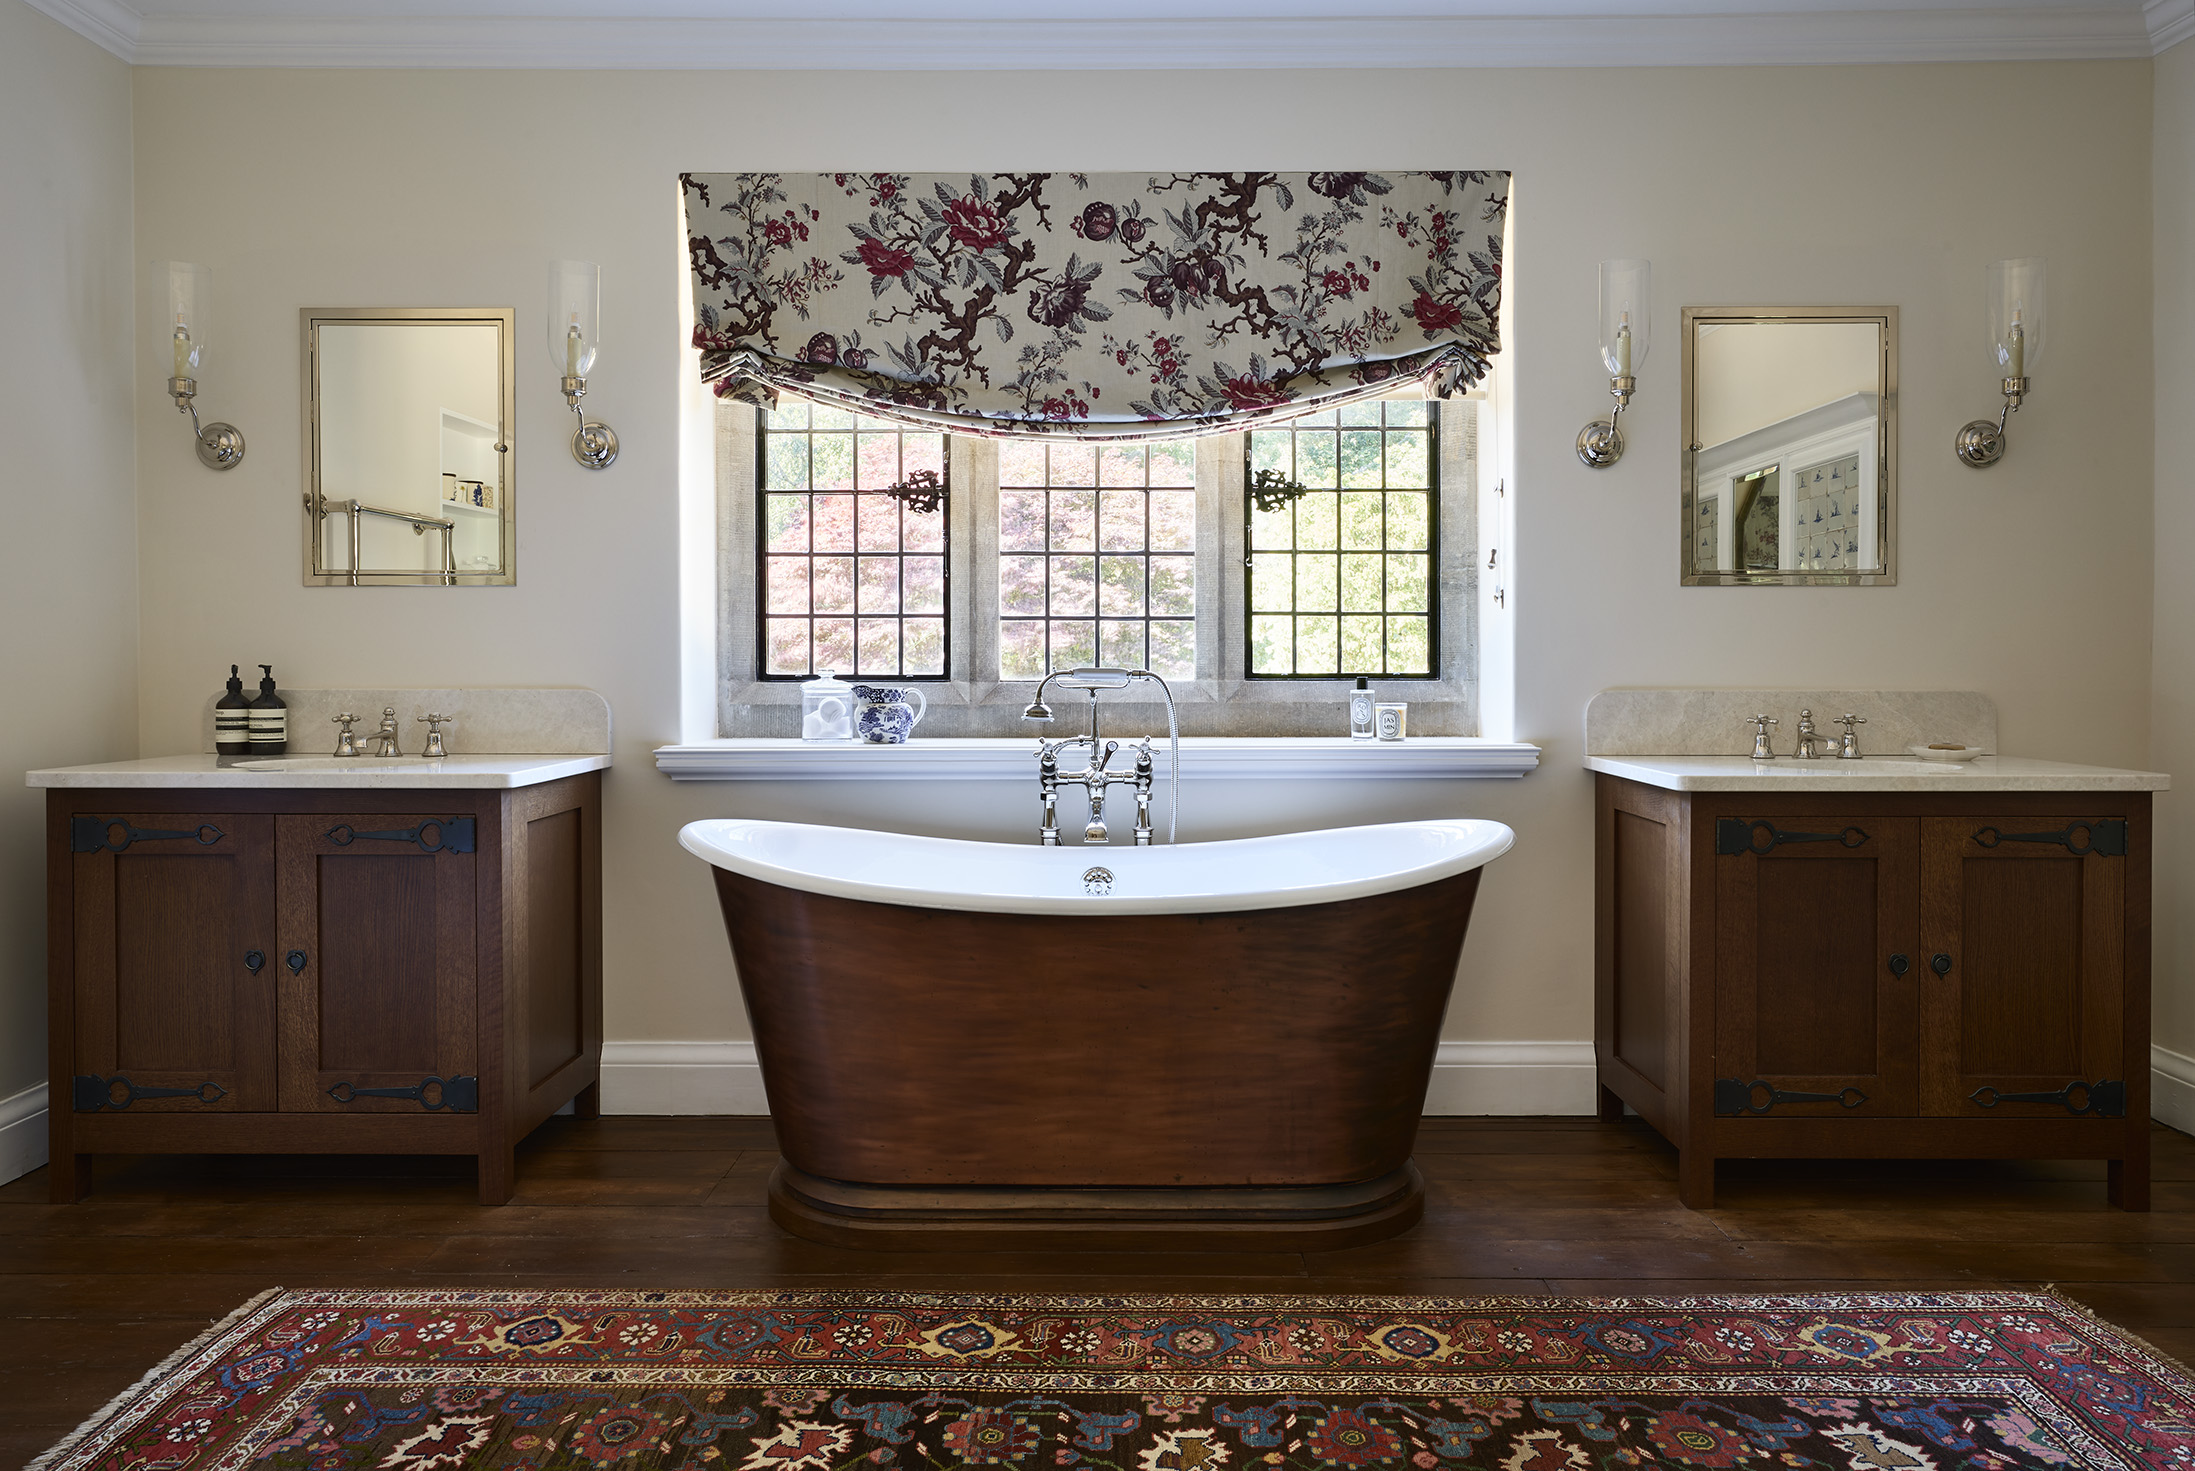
[[1094, 778]]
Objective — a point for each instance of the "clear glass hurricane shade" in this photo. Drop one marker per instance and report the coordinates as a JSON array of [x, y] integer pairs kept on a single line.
[[190, 295], [1626, 286], [575, 300], [2016, 295]]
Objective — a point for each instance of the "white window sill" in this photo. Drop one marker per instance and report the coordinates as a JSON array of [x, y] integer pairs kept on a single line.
[[1222, 758]]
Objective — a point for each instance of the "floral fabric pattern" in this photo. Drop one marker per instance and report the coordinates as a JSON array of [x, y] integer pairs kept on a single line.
[[1094, 305], [846, 1381]]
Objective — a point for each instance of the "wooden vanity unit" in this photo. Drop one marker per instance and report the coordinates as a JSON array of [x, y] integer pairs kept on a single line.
[[1955, 967], [263, 967]]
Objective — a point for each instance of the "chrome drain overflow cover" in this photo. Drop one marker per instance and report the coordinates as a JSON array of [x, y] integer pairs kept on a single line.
[[1097, 881]]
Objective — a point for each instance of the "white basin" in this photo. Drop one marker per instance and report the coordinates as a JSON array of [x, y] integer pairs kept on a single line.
[[363, 764]]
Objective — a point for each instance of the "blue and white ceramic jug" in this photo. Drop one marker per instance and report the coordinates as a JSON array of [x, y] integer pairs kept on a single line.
[[882, 716]]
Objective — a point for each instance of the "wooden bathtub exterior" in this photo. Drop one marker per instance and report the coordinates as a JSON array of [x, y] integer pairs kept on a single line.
[[944, 1079]]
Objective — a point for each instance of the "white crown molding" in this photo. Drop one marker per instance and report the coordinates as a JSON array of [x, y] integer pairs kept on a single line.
[[108, 23], [2170, 22], [1941, 31]]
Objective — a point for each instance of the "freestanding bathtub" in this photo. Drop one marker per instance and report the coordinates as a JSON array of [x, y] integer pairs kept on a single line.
[[975, 1045]]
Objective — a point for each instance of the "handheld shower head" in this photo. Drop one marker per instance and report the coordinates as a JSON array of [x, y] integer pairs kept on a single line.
[[1037, 710]]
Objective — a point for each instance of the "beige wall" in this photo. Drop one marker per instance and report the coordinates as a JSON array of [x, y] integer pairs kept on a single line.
[[68, 596], [2172, 746], [2030, 582]]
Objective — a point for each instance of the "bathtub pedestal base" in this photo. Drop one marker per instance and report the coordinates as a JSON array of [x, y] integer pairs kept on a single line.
[[989, 1218]]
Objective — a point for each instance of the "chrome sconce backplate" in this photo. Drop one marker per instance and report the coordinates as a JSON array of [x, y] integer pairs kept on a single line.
[[1981, 442], [1600, 443], [594, 443], [220, 446]]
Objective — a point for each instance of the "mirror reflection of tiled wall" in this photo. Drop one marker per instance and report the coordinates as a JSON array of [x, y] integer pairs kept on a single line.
[[1827, 520]]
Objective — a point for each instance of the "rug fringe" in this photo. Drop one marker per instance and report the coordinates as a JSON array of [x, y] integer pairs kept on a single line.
[[113, 1407], [2082, 1309]]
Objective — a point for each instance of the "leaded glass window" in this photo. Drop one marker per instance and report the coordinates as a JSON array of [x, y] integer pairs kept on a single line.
[[1097, 557], [853, 578], [1340, 578]]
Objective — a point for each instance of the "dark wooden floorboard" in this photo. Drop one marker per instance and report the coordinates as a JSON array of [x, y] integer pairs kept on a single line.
[[98, 1292]]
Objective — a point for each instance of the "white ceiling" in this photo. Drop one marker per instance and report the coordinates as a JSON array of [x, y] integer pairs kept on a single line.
[[1113, 34]]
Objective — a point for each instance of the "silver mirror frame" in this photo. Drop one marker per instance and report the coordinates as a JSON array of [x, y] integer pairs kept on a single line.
[[1886, 459], [318, 508]]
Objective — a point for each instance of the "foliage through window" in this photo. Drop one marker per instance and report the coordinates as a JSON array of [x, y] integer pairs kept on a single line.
[[1340, 577], [1097, 557], [854, 579]]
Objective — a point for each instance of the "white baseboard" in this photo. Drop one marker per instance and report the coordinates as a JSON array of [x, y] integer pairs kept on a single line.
[[22, 1132], [2172, 1088], [681, 1077], [1468, 1078]]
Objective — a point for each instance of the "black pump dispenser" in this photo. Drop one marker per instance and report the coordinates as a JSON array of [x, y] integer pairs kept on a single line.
[[270, 718], [232, 734]]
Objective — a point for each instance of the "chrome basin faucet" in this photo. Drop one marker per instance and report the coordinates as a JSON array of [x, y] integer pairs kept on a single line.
[[1094, 778], [385, 741]]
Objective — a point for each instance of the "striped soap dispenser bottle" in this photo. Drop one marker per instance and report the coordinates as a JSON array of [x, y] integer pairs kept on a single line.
[[270, 718], [232, 720]]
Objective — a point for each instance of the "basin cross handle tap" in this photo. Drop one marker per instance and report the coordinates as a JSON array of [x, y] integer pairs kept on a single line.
[[435, 750], [1848, 744], [1762, 750]]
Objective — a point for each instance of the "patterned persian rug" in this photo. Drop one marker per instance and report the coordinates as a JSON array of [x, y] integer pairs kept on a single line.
[[842, 1381]]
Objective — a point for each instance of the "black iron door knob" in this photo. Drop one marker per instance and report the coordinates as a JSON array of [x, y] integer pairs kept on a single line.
[[1940, 964], [295, 960], [1899, 965], [254, 959]]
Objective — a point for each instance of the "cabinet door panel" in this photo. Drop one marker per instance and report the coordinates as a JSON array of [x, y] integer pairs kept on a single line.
[[378, 964], [2031, 936], [1811, 1017], [170, 911]]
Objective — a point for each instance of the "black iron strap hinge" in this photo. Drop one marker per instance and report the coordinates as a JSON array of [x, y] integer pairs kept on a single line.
[[2104, 836], [2105, 1098], [458, 1095], [113, 835], [435, 835], [1734, 1096], [90, 1094], [1735, 835]]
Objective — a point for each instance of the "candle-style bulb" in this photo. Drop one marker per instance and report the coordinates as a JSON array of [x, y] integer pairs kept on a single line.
[[1623, 347], [571, 348], [182, 348], [2018, 339]]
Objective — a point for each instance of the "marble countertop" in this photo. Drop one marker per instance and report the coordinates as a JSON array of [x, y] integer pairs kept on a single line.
[[1873, 774], [320, 772]]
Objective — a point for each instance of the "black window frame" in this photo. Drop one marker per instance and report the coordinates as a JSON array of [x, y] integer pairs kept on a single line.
[[762, 554], [1434, 591]]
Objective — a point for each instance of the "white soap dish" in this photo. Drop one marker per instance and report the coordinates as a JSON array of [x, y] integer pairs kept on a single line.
[[1941, 753]]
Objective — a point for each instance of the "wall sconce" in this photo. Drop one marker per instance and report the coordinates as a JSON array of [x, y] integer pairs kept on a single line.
[[575, 326], [190, 291], [1626, 334], [2015, 342]]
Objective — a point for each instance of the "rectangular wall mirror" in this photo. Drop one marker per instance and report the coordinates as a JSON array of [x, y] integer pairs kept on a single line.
[[1791, 446], [408, 463]]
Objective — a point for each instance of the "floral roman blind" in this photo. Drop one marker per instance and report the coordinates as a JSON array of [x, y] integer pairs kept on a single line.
[[1094, 306]]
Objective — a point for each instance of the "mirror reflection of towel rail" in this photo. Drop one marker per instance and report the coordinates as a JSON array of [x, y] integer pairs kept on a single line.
[[419, 524]]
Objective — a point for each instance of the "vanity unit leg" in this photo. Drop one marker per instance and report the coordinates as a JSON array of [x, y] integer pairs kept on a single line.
[[2127, 1180], [1607, 1104], [498, 1170], [1696, 1179]]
